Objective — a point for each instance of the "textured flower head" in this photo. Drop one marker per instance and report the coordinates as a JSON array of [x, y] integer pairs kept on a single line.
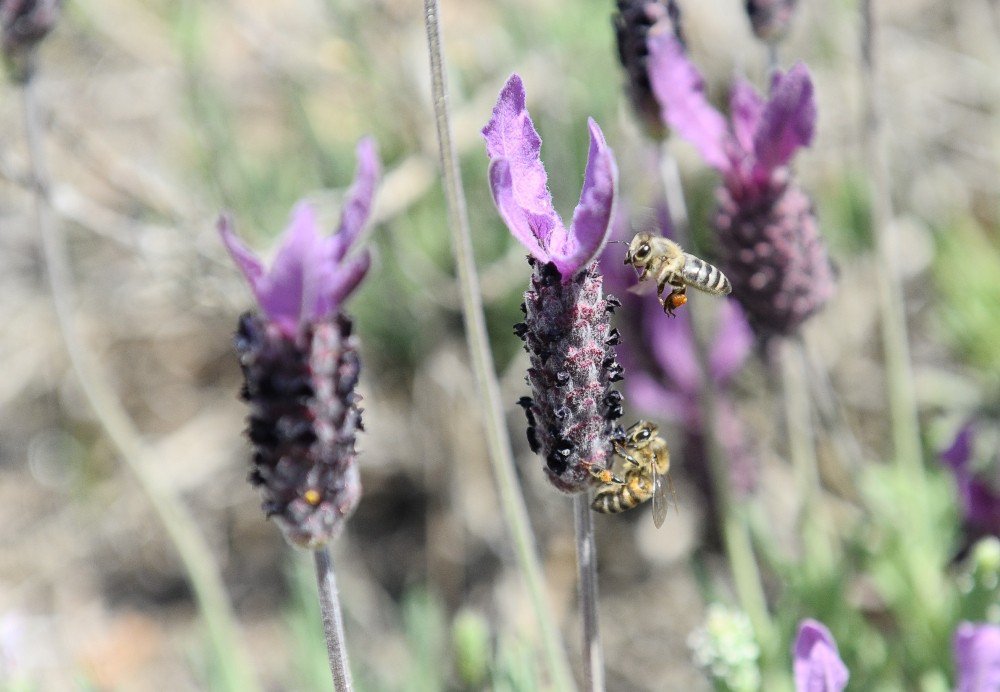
[[817, 664], [312, 273], [301, 366], [520, 188], [978, 490], [725, 648], [977, 657]]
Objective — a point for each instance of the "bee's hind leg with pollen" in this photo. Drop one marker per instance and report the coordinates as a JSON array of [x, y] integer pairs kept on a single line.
[[676, 298]]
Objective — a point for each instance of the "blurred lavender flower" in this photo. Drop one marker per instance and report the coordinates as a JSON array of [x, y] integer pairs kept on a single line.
[[977, 657], [24, 23], [771, 247], [567, 331], [301, 365], [634, 22], [770, 19], [817, 664], [978, 489]]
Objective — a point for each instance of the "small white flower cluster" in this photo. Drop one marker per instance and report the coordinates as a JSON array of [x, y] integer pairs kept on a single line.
[[726, 649]]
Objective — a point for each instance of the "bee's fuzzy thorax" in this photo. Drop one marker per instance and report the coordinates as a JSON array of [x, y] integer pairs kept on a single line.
[[570, 343], [302, 424]]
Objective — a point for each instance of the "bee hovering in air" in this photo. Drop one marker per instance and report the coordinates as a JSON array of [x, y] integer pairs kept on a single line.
[[647, 464], [669, 264]]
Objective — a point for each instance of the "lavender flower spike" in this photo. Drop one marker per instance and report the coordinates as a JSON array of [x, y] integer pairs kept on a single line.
[[301, 365], [978, 488], [520, 188], [567, 331], [977, 657], [817, 664]]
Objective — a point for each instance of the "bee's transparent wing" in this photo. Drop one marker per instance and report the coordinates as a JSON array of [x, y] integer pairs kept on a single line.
[[661, 484]]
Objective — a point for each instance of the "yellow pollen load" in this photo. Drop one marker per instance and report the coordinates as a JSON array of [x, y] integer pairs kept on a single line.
[[312, 497]]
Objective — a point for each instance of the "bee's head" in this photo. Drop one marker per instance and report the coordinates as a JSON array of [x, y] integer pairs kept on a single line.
[[639, 250], [641, 433]]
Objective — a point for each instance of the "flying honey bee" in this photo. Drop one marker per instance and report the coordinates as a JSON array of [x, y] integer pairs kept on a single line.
[[669, 264], [647, 462]]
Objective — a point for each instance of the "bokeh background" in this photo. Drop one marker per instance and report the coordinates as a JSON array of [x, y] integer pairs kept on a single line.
[[159, 114]]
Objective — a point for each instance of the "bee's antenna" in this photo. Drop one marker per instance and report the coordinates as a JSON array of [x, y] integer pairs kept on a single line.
[[621, 242]]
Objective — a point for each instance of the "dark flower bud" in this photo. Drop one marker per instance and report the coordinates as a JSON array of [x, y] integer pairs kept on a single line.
[[770, 19], [633, 23], [24, 23]]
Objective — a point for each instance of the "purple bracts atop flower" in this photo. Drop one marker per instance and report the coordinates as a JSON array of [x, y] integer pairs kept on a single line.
[[301, 366], [980, 498], [770, 245], [817, 664], [977, 657], [520, 188], [311, 274]]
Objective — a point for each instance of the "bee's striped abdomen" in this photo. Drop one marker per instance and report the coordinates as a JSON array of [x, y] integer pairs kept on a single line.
[[621, 498], [704, 276]]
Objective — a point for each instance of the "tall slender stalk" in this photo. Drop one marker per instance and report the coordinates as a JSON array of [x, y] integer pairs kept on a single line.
[[735, 533], [195, 553], [501, 455], [333, 622], [899, 373], [586, 559]]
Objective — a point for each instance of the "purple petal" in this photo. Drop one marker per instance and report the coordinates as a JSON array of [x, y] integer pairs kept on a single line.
[[672, 343], [516, 218], [656, 401], [789, 118], [982, 504], [817, 663], [291, 285], [343, 282], [243, 256], [732, 344], [680, 91], [745, 107], [510, 136], [960, 452], [977, 657], [358, 204], [592, 217]]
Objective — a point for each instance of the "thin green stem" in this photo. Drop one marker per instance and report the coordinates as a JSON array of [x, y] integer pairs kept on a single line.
[[735, 533], [899, 372], [501, 455], [194, 552], [333, 621], [586, 560]]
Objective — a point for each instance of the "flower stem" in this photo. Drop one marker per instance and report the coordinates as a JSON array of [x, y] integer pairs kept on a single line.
[[195, 553], [899, 373], [735, 533], [586, 560], [333, 622], [501, 455]]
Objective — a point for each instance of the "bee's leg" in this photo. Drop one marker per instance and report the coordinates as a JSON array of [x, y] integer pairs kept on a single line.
[[676, 298], [605, 477]]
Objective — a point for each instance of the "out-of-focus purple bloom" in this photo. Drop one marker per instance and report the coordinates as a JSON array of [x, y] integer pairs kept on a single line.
[[311, 274], [520, 188], [770, 19], [770, 243], [567, 330], [301, 366], [817, 664], [24, 23], [634, 22], [978, 490], [977, 657]]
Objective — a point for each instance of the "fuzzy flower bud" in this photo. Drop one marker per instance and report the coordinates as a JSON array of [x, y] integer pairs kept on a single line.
[[817, 664], [301, 366], [566, 331], [634, 22], [770, 19], [977, 657], [772, 249], [24, 23]]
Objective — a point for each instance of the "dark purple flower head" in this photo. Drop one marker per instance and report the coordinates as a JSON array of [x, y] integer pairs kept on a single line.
[[566, 331], [300, 364], [771, 247], [520, 188], [978, 488], [24, 23], [770, 19], [977, 657], [312, 273], [634, 22], [817, 664]]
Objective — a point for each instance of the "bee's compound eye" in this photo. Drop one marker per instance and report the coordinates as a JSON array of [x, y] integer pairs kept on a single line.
[[643, 435], [642, 252]]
